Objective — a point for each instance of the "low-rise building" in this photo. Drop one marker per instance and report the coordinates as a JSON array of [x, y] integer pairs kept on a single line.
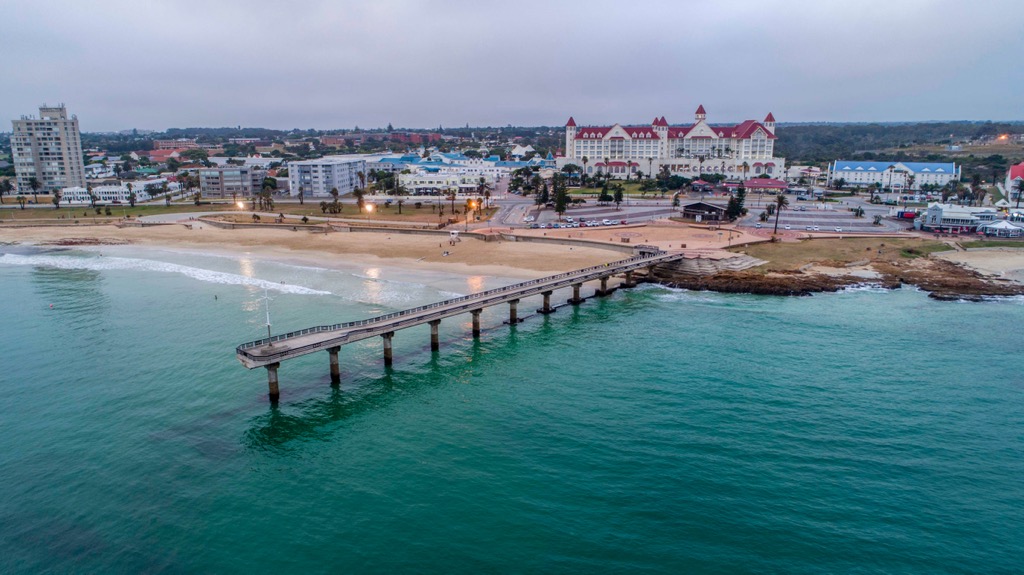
[[1014, 177], [119, 194], [179, 144], [896, 176], [231, 181], [316, 178], [955, 219]]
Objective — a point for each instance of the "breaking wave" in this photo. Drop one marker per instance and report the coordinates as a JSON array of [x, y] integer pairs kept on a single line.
[[134, 264]]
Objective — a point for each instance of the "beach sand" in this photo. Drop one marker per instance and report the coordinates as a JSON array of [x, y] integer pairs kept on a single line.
[[1006, 263], [466, 257]]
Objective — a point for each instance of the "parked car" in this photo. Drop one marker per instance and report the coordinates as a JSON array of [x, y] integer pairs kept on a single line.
[[817, 229], [529, 219], [787, 227], [606, 222], [839, 229], [757, 225]]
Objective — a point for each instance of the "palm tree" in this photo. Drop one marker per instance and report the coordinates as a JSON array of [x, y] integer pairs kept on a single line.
[[21, 201], [33, 183], [56, 198], [131, 194], [92, 196], [1020, 191], [362, 179], [746, 168], [780, 203], [302, 195], [584, 159], [650, 167], [484, 189], [451, 196]]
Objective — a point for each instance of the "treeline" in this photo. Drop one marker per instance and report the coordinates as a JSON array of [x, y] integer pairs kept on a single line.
[[820, 143]]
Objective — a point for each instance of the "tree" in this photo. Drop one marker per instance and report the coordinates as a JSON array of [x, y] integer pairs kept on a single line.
[[584, 160], [197, 197], [56, 199], [302, 196], [359, 193], [5, 188], [483, 188], [400, 201], [1020, 190], [617, 189], [323, 207], [33, 183], [92, 197], [167, 199], [21, 201], [839, 184], [780, 204], [561, 194], [131, 194]]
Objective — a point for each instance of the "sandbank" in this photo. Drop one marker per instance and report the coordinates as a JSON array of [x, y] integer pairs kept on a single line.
[[1006, 263]]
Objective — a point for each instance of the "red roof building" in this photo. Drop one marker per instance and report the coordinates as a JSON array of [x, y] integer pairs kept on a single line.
[[734, 150]]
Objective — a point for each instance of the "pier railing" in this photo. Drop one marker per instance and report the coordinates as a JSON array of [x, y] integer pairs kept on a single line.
[[467, 302]]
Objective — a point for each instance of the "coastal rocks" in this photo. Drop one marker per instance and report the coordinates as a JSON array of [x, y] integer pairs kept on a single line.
[[793, 284], [943, 280], [85, 242]]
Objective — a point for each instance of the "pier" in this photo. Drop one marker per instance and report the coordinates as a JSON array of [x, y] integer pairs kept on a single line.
[[270, 352]]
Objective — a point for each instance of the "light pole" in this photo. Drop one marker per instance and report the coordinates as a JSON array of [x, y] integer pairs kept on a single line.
[[369, 210]]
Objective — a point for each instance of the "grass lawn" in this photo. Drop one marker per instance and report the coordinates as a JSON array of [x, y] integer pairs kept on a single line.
[[994, 244], [426, 213], [994, 193], [791, 256], [631, 189]]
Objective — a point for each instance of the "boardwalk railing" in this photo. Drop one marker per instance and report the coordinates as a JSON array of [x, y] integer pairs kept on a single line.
[[449, 305]]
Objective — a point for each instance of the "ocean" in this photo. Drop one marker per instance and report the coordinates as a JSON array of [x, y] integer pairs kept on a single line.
[[653, 431]]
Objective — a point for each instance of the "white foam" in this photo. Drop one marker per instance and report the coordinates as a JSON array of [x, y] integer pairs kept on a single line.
[[116, 263]]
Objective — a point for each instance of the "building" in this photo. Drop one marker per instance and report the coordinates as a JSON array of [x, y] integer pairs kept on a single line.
[[179, 144], [1014, 177], [316, 178], [896, 176], [433, 183], [954, 219], [144, 191], [49, 149], [734, 150], [231, 181]]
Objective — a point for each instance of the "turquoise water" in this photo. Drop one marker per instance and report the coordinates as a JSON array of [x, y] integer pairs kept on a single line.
[[655, 431]]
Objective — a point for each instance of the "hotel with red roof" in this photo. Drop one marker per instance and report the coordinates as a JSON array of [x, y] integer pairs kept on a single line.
[[736, 150]]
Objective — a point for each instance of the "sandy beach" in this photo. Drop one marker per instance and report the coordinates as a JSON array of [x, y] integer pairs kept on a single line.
[[466, 257], [1006, 263]]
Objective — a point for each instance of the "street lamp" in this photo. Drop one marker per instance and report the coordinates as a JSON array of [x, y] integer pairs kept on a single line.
[[472, 206], [369, 210]]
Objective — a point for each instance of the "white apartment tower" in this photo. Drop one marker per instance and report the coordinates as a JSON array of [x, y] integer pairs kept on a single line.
[[48, 148]]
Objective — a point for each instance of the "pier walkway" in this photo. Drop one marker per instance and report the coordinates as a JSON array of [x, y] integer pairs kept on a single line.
[[270, 352]]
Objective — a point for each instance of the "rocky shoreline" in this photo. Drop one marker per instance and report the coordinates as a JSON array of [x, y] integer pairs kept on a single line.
[[943, 280]]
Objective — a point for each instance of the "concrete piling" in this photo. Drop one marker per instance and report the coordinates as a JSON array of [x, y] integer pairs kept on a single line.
[[435, 342], [275, 393], [476, 323], [513, 316], [387, 348], [546, 309], [576, 299], [335, 370]]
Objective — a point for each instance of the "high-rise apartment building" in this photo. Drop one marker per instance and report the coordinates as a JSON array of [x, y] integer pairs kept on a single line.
[[231, 181], [48, 148]]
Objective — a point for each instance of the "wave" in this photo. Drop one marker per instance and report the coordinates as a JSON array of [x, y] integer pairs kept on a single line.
[[117, 263]]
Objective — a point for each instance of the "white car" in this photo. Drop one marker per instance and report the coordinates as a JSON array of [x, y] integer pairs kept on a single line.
[[529, 219], [606, 222], [839, 229], [817, 229], [787, 227]]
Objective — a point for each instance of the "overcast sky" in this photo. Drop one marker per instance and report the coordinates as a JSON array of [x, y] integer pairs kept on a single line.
[[156, 64]]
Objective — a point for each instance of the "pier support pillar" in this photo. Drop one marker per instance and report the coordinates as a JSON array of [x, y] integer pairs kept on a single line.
[[435, 342], [275, 393], [604, 287], [513, 316], [476, 323], [576, 299], [547, 303], [335, 371], [387, 347], [629, 280]]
